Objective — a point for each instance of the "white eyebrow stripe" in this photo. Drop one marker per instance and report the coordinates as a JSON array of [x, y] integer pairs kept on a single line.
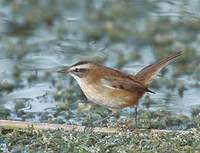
[[84, 66]]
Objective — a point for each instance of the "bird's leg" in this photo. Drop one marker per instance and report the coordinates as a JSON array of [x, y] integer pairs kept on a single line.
[[104, 119], [136, 120], [114, 113]]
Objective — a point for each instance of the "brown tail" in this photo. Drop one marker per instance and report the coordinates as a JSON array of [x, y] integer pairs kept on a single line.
[[147, 74]]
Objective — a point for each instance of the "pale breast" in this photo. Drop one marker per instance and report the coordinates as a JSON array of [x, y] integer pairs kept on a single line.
[[112, 98]]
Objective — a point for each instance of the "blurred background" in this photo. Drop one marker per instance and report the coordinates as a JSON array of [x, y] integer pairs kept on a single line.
[[39, 37]]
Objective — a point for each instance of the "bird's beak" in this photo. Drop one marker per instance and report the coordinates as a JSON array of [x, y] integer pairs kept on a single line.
[[63, 70]]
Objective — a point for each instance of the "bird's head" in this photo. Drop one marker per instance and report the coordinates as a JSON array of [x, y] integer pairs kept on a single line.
[[80, 69]]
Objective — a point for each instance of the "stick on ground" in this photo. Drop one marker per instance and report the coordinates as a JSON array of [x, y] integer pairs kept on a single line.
[[9, 124]]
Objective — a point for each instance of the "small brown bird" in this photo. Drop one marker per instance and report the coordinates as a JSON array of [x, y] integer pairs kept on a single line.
[[112, 88]]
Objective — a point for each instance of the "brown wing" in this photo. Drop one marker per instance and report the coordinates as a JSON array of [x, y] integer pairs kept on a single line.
[[147, 74], [123, 84]]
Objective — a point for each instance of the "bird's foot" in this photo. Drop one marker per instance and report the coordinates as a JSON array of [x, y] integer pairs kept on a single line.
[[100, 122]]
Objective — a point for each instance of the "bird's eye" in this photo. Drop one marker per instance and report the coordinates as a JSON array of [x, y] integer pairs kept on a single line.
[[76, 70]]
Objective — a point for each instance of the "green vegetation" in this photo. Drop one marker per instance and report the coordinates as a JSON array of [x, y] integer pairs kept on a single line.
[[34, 141]]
